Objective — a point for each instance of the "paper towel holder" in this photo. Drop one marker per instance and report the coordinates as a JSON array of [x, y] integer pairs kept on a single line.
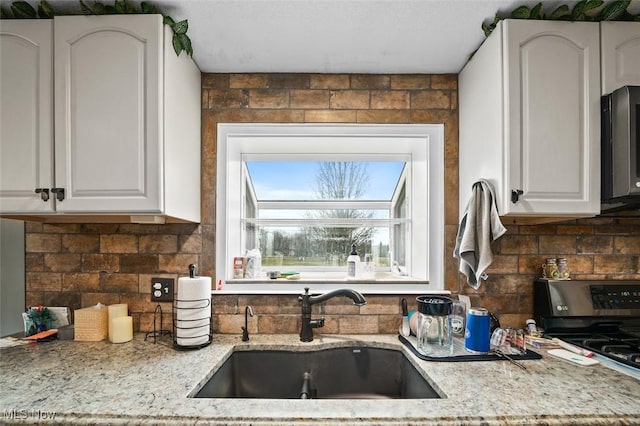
[[194, 304]]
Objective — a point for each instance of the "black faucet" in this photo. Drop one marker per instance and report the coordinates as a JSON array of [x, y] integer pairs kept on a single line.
[[307, 300], [245, 330]]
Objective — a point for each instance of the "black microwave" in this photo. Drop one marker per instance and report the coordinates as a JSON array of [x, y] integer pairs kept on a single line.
[[620, 185]]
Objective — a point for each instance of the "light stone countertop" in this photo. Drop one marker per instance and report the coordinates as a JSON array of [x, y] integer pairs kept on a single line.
[[139, 382]]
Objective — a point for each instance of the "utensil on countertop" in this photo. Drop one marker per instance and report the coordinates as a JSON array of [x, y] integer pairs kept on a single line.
[[572, 357], [508, 358], [572, 348], [405, 330]]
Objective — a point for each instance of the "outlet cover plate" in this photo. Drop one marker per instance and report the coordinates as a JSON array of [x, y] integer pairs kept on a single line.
[[162, 289]]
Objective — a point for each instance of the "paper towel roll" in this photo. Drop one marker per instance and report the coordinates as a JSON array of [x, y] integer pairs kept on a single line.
[[192, 333], [193, 292], [116, 310], [193, 311], [185, 325]]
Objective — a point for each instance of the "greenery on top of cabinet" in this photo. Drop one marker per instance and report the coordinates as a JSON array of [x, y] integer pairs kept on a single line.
[[584, 10], [181, 42]]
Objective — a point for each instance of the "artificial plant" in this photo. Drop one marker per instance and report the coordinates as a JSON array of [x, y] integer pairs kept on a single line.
[[584, 10], [181, 42]]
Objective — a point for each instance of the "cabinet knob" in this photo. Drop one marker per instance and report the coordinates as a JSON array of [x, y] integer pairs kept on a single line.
[[59, 193], [515, 194], [44, 194]]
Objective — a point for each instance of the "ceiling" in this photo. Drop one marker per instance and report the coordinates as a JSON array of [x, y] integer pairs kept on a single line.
[[331, 36]]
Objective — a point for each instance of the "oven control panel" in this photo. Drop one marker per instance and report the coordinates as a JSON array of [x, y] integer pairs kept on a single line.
[[580, 299], [615, 296]]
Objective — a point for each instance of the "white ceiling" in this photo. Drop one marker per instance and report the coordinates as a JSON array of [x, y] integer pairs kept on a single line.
[[331, 36]]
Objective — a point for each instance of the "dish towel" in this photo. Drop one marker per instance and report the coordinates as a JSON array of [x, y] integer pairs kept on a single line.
[[479, 227]]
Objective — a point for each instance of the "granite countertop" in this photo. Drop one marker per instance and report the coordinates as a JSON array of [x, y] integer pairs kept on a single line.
[[144, 383]]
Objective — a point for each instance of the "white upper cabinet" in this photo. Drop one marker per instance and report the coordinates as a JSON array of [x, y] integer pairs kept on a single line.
[[127, 118], [529, 119], [127, 122], [620, 47], [26, 115], [108, 113]]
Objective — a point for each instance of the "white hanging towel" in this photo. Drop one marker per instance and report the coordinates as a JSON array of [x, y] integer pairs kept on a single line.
[[479, 227]]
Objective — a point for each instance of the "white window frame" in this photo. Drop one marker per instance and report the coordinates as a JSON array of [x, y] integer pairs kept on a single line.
[[424, 143]]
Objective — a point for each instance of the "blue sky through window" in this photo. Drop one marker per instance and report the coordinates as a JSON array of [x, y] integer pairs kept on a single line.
[[296, 180]]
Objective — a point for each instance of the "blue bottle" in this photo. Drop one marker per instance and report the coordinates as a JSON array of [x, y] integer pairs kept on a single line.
[[477, 332]]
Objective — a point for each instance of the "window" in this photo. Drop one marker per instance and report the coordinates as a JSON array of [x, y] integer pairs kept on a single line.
[[302, 194], [309, 223]]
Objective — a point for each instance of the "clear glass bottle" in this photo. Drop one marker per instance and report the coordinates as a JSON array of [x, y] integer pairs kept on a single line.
[[368, 271]]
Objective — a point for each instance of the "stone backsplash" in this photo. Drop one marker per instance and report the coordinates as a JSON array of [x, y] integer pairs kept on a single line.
[[79, 265]]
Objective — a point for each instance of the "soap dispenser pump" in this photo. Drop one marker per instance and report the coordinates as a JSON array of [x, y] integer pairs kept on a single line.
[[352, 262]]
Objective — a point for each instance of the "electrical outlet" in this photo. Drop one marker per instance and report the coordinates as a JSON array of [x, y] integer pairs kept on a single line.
[[162, 289]]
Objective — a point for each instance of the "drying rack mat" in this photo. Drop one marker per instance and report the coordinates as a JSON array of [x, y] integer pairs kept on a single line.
[[461, 354]]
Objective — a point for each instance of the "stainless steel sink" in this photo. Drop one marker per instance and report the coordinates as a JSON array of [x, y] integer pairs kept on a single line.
[[350, 372]]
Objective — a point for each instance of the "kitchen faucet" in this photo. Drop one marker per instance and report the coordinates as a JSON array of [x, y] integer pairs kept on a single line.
[[307, 300], [245, 330]]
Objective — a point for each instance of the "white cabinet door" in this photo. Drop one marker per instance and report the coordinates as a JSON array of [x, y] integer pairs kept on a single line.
[[620, 47], [108, 77], [26, 114], [552, 110], [529, 119]]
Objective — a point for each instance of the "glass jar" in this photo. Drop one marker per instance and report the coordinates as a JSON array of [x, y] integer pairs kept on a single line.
[[563, 269], [550, 270]]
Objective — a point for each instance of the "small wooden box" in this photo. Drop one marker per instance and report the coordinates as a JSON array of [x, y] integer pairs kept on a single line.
[[91, 324]]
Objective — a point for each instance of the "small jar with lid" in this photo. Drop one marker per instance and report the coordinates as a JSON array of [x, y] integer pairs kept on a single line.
[[563, 269], [550, 269]]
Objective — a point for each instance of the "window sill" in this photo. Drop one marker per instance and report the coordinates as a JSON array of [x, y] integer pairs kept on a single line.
[[394, 285]]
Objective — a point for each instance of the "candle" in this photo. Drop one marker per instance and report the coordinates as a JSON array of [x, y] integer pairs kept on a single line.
[[116, 311], [121, 329]]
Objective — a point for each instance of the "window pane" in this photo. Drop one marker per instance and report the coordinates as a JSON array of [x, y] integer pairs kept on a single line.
[[341, 202], [400, 229], [322, 214], [324, 180], [251, 211], [321, 248]]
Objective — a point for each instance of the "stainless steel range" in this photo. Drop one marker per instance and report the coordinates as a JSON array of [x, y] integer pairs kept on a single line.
[[600, 316]]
